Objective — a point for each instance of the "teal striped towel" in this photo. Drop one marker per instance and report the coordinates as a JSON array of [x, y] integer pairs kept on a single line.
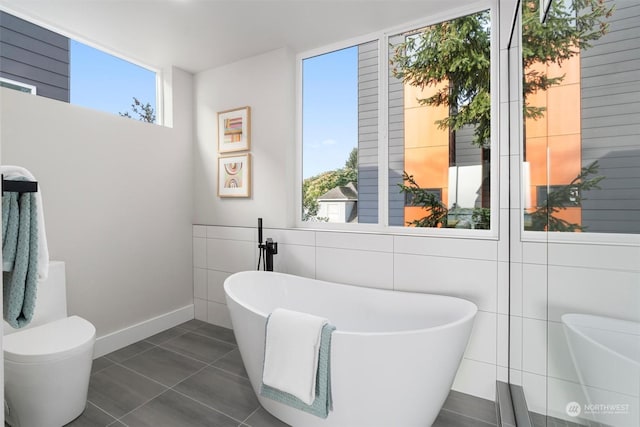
[[322, 403], [20, 257]]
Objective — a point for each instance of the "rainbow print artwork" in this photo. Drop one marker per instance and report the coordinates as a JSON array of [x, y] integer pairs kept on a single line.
[[233, 175], [232, 130]]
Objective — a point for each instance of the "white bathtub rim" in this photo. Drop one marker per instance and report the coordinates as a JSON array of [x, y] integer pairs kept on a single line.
[[568, 321], [469, 316]]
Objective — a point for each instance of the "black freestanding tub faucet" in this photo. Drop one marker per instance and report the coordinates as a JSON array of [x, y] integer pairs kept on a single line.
[[266, 250]]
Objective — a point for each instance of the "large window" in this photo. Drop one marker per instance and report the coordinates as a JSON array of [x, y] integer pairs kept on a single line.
[[406, 144], [581, 167], [49, 64], [440, 125]]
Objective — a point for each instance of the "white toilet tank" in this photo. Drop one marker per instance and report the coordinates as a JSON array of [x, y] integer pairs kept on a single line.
[[51, 299], [47, 364]]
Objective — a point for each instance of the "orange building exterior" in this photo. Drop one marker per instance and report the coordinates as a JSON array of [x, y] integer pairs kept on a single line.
[[556, 137], [426, 147]]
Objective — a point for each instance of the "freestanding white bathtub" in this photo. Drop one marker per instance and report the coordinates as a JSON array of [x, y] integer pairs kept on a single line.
[[394, 355]]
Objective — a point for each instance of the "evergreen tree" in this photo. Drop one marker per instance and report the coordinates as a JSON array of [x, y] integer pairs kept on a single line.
[[543, 219], [456, 55]]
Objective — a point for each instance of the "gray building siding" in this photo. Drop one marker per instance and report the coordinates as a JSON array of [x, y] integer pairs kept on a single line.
[[34, 55], [610, 114], [467, 154], [396, 142], [368, 133]]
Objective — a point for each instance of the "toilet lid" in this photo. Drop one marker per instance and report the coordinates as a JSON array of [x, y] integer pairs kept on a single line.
[[48, 342]]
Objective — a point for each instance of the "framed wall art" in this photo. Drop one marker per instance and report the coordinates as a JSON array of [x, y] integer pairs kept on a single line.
[[234, 176], [234, 130]]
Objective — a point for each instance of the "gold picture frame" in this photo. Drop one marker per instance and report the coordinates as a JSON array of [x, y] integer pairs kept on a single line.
[[234, 176], [234, 130]]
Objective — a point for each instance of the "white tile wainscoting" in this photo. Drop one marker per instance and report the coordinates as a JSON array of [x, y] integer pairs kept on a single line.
[[460, 267]]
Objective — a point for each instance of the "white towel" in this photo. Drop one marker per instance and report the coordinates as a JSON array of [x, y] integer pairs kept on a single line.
[[292, 345], [10, 172]]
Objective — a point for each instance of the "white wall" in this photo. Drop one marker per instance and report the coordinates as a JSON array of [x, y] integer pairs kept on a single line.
[[117, 197], [266, 84]]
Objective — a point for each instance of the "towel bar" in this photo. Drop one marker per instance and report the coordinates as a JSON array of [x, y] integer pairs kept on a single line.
[[19, 186]]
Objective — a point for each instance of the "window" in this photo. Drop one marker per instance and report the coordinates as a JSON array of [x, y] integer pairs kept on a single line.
[[581, 141], [51, 65], [340, 135], [439, 124], [432, 166], [570, 199], [19, 86], [107, 83]]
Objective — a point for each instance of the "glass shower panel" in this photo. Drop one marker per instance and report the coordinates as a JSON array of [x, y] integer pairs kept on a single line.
[[580, 325]]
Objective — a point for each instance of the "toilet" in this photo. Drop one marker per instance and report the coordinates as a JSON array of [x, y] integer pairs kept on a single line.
[[47, 364]]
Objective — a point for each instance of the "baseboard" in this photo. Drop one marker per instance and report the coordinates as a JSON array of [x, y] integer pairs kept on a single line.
[[134, 333]]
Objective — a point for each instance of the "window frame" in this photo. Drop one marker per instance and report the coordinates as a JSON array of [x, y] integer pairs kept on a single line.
[[382, 37]]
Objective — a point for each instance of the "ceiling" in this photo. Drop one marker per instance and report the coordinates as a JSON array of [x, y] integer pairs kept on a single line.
[[196, 35]]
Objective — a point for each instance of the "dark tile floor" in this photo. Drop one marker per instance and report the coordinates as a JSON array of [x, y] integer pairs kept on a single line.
[[192, 375]]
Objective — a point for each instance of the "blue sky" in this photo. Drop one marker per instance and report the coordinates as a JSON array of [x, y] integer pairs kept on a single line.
[[107, 83], [330, 98], [329, 110]]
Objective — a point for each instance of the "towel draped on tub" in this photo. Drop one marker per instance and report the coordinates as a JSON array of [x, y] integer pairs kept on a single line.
[[283, 373], [20, 257]]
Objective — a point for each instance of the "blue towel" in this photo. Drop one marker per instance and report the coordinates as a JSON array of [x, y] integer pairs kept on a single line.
[[322, 403], [20, 257]]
